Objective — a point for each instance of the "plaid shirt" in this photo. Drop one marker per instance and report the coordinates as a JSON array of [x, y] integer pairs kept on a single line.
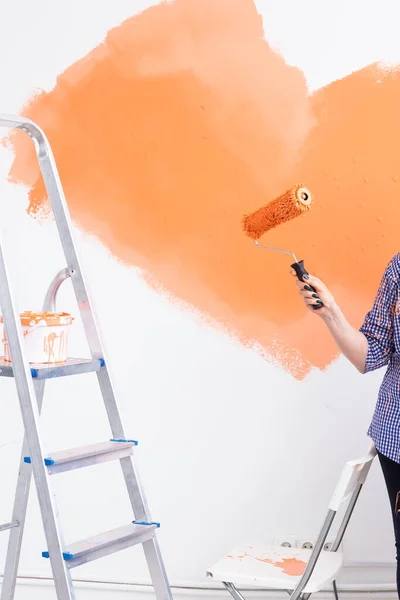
[[382, 330]]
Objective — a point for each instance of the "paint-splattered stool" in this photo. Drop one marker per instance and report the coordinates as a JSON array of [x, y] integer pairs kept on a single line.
[[299, 571]]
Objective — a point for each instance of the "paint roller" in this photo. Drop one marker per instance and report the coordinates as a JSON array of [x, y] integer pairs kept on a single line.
[[291, 204]]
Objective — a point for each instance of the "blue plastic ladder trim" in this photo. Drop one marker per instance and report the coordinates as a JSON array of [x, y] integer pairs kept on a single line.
[[124, 441], [49, 462], [34, 372], [145, 523], [66, 555], [102, 362]]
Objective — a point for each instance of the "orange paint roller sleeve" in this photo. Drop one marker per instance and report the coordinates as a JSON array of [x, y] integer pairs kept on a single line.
[[291, 204]]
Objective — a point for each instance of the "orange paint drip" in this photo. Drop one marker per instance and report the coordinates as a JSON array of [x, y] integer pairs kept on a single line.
[[211, 123], [55, 353]]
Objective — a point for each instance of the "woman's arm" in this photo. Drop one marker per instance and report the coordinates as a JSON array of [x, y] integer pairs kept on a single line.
[[370, 347]]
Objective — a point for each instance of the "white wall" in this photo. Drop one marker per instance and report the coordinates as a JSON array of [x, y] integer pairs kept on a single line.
[[231, 447]]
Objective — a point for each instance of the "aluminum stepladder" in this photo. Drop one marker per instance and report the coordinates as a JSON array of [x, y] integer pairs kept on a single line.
[[30, 383]]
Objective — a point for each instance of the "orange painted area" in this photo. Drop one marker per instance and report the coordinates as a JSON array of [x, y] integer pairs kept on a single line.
[[182, 121], [290, 566]]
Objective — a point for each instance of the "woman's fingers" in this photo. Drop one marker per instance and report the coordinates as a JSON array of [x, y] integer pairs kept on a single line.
[[314, 293], [306, 289], [310, 297], [315, 283], [312, 283], [310, 279], [309, 294], [313, 301]]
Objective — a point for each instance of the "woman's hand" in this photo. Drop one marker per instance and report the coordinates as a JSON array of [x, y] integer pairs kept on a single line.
[[350, 341], [321, 297]]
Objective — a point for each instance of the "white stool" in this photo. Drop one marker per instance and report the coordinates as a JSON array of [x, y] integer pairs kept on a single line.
[[301, 572]]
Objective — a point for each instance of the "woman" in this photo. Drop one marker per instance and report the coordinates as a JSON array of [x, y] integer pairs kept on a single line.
[[375, 345]]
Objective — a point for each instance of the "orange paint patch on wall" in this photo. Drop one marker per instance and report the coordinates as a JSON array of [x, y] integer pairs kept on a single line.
[[183, 120]]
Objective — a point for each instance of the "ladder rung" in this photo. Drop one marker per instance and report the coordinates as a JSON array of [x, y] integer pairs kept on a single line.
[[72, 366], [76, 458], [106, 543], [7, 526]]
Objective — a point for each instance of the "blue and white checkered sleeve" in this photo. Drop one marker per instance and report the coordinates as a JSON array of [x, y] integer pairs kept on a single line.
[[378, 324]]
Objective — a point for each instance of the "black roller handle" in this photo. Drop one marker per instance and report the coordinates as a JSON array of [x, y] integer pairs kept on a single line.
[[300, 272]]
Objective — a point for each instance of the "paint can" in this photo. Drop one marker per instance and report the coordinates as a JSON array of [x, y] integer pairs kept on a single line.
[[45, 335]]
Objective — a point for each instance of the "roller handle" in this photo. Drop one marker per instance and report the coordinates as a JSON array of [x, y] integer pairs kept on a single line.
[[300, 272]]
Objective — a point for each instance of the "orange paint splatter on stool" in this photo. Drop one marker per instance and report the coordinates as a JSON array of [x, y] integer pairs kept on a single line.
[[290, 566]]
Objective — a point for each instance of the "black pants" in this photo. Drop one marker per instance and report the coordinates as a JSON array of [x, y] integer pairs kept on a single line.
[[391, 473]]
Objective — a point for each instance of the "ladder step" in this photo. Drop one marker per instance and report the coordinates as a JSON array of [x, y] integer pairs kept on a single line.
[[72, 366], [7, 526], [106, 543], [76, 458]]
